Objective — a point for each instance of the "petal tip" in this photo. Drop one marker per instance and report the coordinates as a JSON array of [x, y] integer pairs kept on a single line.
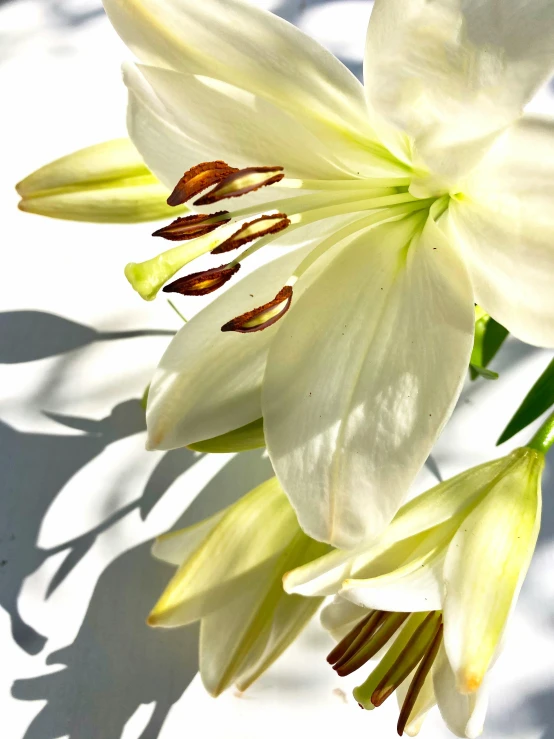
[[468, 682]]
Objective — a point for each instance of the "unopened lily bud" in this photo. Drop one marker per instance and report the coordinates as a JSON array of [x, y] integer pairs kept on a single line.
[[105, 183]]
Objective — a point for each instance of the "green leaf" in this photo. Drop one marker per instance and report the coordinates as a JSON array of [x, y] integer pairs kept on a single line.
[[538, 400], [477, 371], [489, 337], [242, 439]]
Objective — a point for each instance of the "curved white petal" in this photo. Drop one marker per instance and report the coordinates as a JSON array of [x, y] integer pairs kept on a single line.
[[463, 714], [242, 639], [238, 126], [485, 567], [505, 227], [442, 503], [232, 41], [209, 382], [453, 73], [407, 590], [407, 578], [351, 403], [241, 546], [166, 150], [340, 616], [176, 546]]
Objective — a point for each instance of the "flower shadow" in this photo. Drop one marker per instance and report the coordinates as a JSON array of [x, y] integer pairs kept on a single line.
[[36, 466], [532, 716], [29, 335]]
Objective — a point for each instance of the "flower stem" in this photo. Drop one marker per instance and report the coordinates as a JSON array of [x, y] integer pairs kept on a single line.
[[544, 438]]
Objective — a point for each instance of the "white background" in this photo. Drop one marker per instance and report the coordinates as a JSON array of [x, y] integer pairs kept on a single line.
[[81, 498]]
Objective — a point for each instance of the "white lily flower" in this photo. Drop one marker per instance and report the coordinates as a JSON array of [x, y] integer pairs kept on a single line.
[[444, 577], [230, 576], [413, 198], [104, 183]]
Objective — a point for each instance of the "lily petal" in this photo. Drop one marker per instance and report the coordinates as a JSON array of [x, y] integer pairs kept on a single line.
[[505, 227], [222, 565], [453, 73], [411, 578], [231, 41], [340, 616], [240, 641], [163, 147], [493, 548], [346, 459], [237, 126], [209, 382], [176, 546], [463, 714], [439, 504]]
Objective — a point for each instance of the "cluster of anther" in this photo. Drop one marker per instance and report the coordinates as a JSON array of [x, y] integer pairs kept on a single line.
[[418, 638], [226, 182]]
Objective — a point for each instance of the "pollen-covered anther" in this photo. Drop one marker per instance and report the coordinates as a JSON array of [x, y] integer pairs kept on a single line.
[[202, 283], [190, 227], [241, 182], [264, 316], [262, 226], [198, 178]]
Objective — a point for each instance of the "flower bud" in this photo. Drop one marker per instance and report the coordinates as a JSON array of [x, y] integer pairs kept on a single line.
[[105, 183]]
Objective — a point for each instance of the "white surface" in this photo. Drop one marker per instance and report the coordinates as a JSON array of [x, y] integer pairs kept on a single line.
[[80, 497]]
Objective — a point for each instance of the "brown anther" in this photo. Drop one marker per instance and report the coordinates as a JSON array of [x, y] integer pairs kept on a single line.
[[198, 178], [370, 627], [262, 226], [387, 627], [240, 182], [202, 283], [339, 650], [264, 316], [412, 654], [190, 227], [417, 682]]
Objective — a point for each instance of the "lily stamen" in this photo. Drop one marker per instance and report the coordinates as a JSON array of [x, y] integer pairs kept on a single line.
[[190, 227], [264, 316], [386, 628], [197, 179], [202, 283], [240, 182], [409, 659], [262, 226], [418, 680], [415, 647]]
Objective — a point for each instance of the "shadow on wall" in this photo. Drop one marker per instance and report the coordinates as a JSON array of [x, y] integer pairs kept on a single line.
[[36, 466], [116, 663], [532, 717], [62, 15]]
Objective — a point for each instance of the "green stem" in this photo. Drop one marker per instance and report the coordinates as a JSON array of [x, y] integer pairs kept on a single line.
[[544, 438]]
